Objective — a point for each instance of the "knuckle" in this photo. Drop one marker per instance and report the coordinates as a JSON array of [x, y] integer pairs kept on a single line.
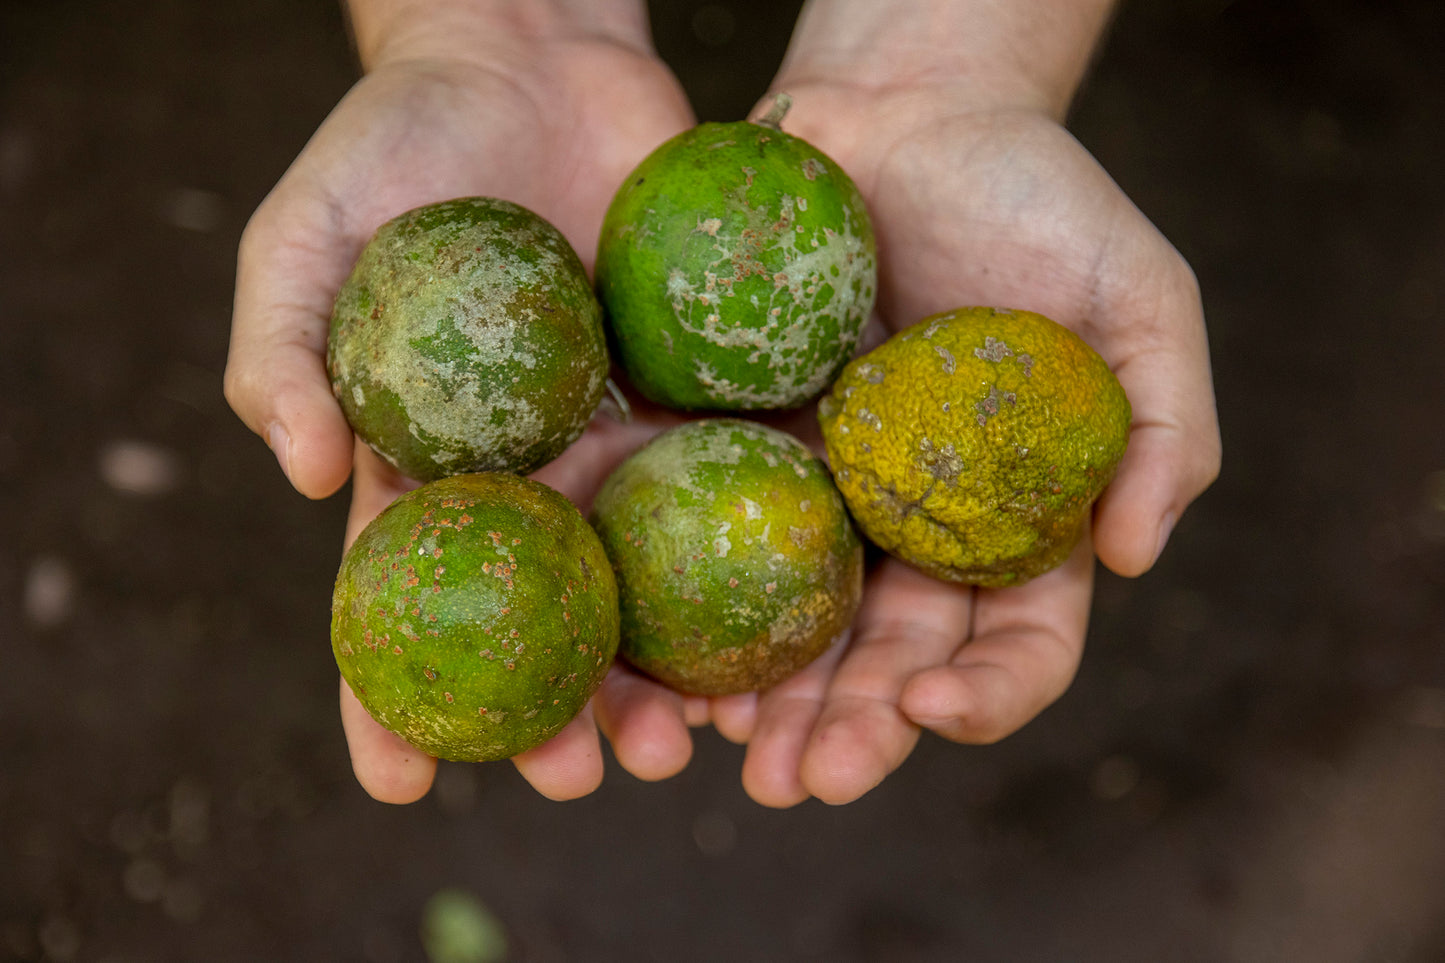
[[254, 234], [233, 385], [1185, 281], [1214, 462], [236, 389], [1204, 459]]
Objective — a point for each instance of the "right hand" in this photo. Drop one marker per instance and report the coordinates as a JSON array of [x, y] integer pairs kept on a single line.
[[553, 122]]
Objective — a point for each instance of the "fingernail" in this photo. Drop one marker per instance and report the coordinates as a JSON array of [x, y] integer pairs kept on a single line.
[[1166, 528], [280, 443]]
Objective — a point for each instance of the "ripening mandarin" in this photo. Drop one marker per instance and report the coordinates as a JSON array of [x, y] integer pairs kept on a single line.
[[973, 443]]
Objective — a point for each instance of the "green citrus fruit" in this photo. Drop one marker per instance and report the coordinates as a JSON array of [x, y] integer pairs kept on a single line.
[[475, 616], [736, 562], [973, 443], [467, 338], [737, 268]]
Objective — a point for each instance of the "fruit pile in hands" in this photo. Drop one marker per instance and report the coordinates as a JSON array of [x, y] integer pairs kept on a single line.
[[736, 269]]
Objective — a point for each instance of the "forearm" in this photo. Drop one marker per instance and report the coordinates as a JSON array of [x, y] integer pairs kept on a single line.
[[1024, 53], [387, 29]]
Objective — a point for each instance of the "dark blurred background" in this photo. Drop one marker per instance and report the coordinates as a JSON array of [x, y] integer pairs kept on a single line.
[[1251, 765]]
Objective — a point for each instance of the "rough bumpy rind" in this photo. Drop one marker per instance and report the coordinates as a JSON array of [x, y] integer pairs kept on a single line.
[[467, 338], [475, 616], [737, 269], [973, 443], [736, 562]]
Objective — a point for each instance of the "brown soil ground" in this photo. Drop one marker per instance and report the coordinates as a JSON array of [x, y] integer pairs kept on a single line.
[[1250, 766]]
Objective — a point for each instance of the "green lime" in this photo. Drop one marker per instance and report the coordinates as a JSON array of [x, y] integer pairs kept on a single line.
[[467, 338], [737, 268], [736, 562], [475, 616]]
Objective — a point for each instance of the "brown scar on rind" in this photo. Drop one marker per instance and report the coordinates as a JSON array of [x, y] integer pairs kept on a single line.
[[993, 350]]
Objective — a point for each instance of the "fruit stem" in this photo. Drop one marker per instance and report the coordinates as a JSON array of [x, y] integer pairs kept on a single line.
[[614, 404], [774, 116]]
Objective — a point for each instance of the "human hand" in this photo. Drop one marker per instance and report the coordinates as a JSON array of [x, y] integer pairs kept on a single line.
[[979, 196], [548, 107]]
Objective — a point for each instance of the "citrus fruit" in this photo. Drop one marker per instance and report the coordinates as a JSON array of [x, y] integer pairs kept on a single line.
[[475, 616], [973, 443], [736, 562], [467, 338], [736, 266]]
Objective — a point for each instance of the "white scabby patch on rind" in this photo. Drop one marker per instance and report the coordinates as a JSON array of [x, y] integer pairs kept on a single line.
[[464, 409], [681, 456], [786, 346]]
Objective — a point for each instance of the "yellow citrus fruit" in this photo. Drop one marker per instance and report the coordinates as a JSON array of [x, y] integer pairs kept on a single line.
[[973, 443]]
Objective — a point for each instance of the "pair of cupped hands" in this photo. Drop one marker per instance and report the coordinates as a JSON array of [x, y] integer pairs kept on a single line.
[[973, 203]]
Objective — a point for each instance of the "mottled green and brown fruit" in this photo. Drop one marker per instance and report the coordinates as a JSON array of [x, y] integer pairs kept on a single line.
[[475, 616], [468, 338], [736, 562], [737, 269], [973, 444]]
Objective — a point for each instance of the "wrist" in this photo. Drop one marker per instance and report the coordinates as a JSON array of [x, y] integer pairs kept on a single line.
[[484, 30], [1018, 55]]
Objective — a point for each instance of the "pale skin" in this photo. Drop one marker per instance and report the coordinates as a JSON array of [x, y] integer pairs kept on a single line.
[[948, 115]]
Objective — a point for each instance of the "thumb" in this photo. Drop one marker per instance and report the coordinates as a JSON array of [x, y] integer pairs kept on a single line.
[[1164, 469], [1174, 446], [275, 371]]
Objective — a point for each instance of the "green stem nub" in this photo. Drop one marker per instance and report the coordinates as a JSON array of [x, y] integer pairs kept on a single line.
[[774, 116], [614, 404]]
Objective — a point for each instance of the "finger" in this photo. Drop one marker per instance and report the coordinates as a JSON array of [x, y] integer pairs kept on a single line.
[[1167, 465], [1174, 445], [645, 723], [909, 622], [388, 768], [275, 370], [375, 486], [695, 711], [567, 766], [1026, 645], [785, 717], [1161, 474], [735, 717]]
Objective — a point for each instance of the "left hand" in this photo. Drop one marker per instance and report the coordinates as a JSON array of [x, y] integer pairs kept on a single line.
[[980, 205]]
